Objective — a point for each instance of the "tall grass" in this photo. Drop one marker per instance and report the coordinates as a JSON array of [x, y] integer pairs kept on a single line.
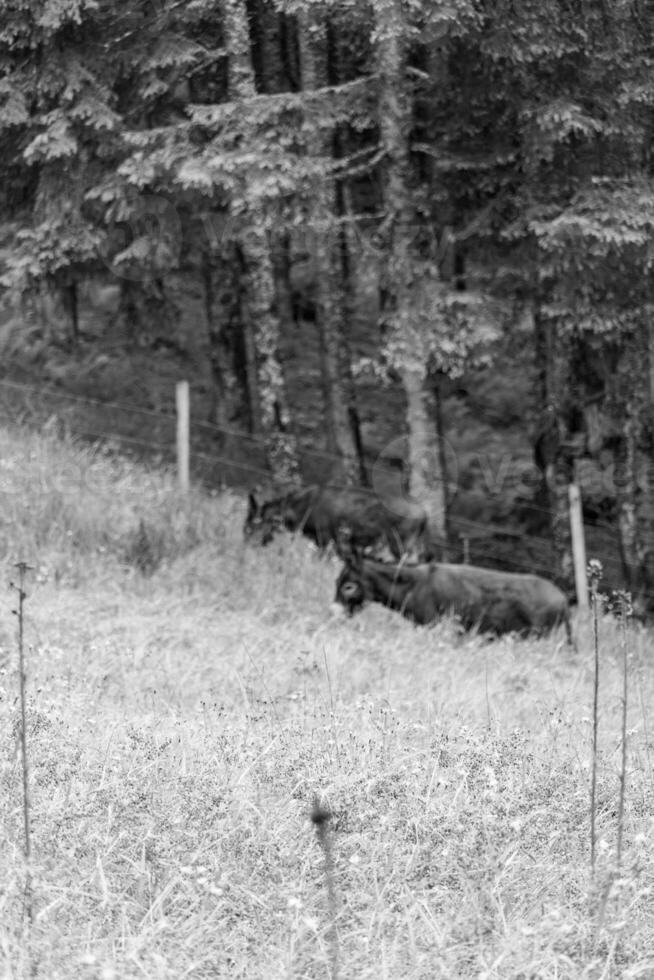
[[65, 504], [183, 721]]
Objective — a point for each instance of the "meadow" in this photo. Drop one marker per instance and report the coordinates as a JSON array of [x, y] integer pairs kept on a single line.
[[190, 702]]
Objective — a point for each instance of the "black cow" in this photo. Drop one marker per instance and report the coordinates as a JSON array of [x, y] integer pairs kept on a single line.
[[493, 601], [325, 514]]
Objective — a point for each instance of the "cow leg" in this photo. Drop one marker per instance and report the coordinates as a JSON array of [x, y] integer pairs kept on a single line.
[[568, 632]]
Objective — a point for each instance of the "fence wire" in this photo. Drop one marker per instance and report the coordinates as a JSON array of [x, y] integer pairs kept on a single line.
[[148, 433]]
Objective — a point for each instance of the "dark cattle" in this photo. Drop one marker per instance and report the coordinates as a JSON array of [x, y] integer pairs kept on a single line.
[[493, 601], [325, 513]]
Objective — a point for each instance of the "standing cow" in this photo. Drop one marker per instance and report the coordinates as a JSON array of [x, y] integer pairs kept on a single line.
[[493, 601], [325, 514]]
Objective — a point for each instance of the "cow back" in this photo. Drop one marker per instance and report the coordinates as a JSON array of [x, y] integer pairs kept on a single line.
[[498, 600], [322, 513]]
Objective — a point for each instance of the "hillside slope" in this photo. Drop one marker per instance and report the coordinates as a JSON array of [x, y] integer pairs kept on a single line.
[[190, 699]]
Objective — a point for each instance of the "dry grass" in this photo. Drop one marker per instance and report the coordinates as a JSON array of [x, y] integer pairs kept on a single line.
[[180, 724]]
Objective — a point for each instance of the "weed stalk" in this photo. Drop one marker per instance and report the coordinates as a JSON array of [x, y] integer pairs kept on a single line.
[[320, 817], [23, 568], [594, 576], [624, 606]]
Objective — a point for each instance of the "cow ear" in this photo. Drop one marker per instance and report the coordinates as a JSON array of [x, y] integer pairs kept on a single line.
[[353, 558], [343, 542], [357, 554]]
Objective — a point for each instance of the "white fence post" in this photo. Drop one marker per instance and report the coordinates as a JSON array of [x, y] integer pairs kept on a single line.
[[578, 546], [182, 401]]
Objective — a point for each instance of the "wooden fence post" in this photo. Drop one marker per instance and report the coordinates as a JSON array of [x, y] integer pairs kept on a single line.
[[183, 434], [578, 546]]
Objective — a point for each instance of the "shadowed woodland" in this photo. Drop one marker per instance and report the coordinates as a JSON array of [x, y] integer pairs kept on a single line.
[[388, 244]]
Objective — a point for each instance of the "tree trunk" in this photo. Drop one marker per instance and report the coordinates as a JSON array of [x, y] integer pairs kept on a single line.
[[625, 487], [335, 365], [145, 310], [644, 511], [425, 462], [343, 292], [279, 441], [71, 304], [217, 317], [555, 383], [442, 462], [645, 478], [634, 470], [241, 81], [268, 47], [427, 481], [280, 253], [249, 354], [274, 416], [559, 495]]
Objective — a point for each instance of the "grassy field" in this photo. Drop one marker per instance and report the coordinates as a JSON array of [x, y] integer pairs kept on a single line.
[[180, 724]]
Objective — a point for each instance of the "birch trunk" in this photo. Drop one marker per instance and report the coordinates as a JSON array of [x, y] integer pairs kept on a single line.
[[425, 461], [426, 479]]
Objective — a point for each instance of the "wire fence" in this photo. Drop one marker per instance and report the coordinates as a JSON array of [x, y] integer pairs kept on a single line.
[[223, 456], [219, 453]]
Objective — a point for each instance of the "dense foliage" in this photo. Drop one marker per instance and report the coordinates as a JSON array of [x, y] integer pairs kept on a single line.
[[455, 169]]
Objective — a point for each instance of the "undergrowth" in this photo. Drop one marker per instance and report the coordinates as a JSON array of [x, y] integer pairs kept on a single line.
[[65, 502]]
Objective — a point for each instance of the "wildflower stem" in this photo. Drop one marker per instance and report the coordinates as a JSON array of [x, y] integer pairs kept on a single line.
[[27, 847], [595, 573], [624, 605], [320, 817]]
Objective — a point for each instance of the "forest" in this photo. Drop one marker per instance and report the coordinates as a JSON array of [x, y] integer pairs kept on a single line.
[[351, 216]]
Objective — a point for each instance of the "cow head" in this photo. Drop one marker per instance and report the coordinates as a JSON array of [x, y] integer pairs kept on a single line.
[[351, 591], [344, 542]]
